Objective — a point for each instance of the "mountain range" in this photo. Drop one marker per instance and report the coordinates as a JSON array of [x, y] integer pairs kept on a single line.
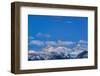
[[49, 52]]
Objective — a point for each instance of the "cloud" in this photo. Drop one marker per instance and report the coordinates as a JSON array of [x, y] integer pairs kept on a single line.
[[59, 43], [83, 41], [65, 43], [43, 35], [51, 43], [37, 42], [31, 51]]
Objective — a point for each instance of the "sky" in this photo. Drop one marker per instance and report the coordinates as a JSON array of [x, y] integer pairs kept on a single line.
[[54, 28]]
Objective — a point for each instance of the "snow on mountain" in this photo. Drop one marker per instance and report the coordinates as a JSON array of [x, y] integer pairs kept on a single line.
[[50, 52], [80, 50], [56, 49]]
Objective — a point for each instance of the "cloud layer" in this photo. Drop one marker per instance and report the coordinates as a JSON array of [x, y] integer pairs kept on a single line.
[[52, 43]]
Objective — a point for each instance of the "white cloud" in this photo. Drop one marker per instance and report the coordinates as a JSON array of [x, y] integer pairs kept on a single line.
[[37, 42], [82, 41], [65, 42], [31, 51], [51, 43], [59, 42], [43, 35]]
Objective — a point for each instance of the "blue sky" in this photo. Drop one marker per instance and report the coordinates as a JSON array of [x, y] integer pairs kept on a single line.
[[53, 28]]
